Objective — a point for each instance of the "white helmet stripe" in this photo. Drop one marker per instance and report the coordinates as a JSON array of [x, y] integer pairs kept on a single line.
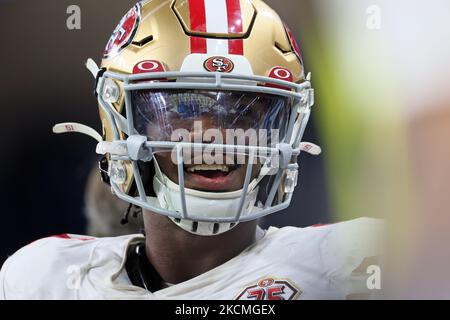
[[216, 22]]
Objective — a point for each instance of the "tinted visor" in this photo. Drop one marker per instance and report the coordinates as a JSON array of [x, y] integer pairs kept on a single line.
[[160, 115]]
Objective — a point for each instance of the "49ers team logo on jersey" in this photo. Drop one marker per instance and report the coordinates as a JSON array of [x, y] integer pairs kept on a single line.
[[219, 64], [270, 289], [124, 33]]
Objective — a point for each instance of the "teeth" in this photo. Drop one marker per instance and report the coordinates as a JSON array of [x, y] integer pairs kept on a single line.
[[205, 167]]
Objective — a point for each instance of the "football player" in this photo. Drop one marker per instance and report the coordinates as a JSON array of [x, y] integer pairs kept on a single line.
[[203, 105]]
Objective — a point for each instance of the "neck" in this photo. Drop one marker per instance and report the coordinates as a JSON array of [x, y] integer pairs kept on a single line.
[[178, 255]]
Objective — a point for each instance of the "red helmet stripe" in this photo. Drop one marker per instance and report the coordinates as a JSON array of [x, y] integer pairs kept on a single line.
[[236, 47], [198, 45], [197, 15], [235, 22]]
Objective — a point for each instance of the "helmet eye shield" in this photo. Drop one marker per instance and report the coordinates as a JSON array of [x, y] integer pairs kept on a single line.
[[178, 115]]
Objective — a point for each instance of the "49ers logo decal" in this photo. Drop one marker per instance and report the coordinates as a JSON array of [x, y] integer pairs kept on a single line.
[[219, 64], [124, 33], [270, 289]]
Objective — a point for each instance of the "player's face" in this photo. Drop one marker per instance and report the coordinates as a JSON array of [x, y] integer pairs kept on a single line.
[[212, 118], [221, 177], [226, 173]]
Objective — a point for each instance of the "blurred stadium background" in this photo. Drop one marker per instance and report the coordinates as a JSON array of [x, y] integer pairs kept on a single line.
[[380, 69]]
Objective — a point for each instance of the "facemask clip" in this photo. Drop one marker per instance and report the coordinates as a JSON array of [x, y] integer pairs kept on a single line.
[[137, 149]]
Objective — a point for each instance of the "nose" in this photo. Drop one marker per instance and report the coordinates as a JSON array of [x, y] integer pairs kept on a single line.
[[207, 129]]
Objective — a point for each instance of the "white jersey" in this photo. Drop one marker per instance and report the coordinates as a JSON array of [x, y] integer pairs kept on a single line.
[[287, 263]]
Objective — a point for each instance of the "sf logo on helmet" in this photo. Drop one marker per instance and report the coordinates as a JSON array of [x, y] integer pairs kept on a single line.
[[219, 64]]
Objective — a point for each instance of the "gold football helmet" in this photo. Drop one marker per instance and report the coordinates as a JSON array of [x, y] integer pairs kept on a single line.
[[170, 68]]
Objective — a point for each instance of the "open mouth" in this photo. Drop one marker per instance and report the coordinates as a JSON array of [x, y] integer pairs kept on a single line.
[[212, 177], [210, 171]]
